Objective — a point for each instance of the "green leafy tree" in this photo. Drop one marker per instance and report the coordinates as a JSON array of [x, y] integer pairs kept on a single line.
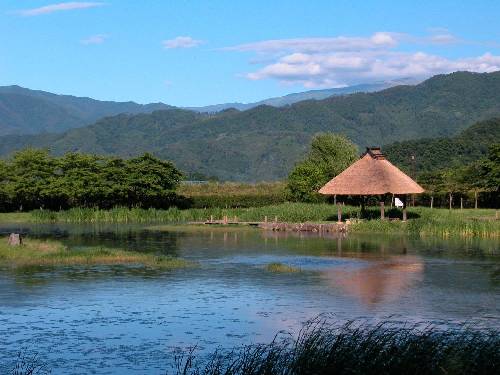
[[489, 172], [5, 191], [329, 155], [433, 183], [33, 172], [116, 183], [34, 179], [151, 181], [80, 181], [489, 169]]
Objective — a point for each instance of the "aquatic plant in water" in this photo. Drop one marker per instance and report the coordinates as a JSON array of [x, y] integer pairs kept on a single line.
[[355, 348], [281, 268]]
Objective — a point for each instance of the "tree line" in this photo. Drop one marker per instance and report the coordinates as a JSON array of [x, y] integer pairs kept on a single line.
[[479, 177], [33, 179]]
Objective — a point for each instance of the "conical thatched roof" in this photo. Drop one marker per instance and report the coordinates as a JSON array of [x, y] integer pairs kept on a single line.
[[373, 174]]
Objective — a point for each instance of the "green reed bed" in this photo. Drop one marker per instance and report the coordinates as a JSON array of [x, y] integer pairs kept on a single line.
[[53, 253], [290, 212], [422, 221], [233, 194], [437, 222], [355, 348]]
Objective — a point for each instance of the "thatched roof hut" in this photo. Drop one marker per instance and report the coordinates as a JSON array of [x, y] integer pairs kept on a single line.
[[372, 174]]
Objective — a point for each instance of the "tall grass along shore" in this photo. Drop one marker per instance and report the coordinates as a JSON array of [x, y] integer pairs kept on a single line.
[[354, 349], [422, 221], [53, 253]]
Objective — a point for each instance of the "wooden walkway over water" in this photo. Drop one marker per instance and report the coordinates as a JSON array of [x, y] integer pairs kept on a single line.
[[279, 226]]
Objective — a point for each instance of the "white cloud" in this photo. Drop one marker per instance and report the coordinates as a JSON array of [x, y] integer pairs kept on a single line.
[[340, 61], [95, 39], [181, 42], [47, 9], [310, 45], [444, 38], [337, 69]]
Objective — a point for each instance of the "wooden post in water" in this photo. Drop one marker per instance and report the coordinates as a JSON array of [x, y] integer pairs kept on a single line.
[[225, 219], [211, 218], [15, 239], [404, 207], [265, 219], [276, 219], [382, 210], [432, 201], [339, 213]]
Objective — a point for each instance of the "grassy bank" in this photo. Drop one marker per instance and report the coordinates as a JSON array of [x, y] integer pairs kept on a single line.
[[422, 221], [357, 349], [53, 253]]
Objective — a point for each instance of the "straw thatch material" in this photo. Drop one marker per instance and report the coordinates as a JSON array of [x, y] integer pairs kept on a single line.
[[373, 174]]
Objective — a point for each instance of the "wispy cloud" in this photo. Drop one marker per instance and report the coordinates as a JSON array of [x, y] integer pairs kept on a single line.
[[312, 45], [95, 39], [340, 61], [52, 8], [181, 42]]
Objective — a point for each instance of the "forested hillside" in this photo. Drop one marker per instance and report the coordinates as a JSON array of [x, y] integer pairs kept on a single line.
[[446, 153], [24, 111], [265, 142]]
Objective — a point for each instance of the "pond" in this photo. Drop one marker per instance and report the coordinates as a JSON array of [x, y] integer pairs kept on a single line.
[[128, 320]]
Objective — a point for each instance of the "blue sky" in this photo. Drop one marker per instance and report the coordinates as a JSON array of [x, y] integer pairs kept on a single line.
[[206, 52]]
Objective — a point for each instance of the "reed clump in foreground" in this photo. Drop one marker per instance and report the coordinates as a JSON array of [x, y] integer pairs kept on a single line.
[[354, 349], [281, 268], [53, 253]]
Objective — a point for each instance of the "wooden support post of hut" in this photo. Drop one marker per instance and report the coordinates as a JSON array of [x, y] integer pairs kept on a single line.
[[382, 210], [372, 174], [339, 213], [404, 208]]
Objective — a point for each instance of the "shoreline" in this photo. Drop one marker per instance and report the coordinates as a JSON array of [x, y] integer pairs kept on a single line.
[[311, 217]]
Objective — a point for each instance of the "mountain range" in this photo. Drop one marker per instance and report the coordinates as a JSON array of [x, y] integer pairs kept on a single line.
[[264, 142], [25, 111], [306, 95]]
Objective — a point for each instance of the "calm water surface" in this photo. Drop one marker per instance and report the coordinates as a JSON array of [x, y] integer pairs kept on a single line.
[[127, 320]]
